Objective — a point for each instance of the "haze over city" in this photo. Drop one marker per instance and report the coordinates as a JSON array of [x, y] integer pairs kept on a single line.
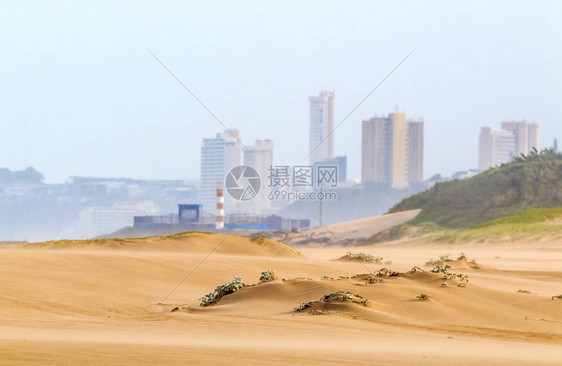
[[81, 96]]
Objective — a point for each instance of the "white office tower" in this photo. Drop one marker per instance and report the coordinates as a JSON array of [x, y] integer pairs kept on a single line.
[[497, 147], [321, 127], [219, 154]]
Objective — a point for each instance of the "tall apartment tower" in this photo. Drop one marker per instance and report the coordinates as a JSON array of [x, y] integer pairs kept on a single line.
[[260, 157], [219, 154], [501, 146], [321, 127], [392, 150]]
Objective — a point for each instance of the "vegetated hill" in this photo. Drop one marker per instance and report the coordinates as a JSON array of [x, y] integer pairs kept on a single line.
[[531, 225], [531, 181]]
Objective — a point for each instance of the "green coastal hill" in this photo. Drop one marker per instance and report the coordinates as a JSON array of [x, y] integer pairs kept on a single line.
[[528, 182]]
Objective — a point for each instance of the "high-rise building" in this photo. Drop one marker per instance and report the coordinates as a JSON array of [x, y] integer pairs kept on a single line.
[[321, 127], [260, 157], [533, 136], [376, 150], [501, 146], [392, 150], [219, 154]]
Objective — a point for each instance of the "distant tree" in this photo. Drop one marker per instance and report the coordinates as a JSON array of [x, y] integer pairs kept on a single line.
[[18, 178]]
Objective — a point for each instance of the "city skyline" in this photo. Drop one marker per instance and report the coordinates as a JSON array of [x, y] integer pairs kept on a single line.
[[118, 113]]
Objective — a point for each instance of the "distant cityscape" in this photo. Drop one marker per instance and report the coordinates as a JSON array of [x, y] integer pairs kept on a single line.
[[392, 154], [497, 147]]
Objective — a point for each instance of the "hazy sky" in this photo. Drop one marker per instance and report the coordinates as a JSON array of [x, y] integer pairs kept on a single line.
[[80, 94]]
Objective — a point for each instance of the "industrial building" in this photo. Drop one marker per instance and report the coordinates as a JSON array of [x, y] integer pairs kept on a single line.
[[191, 217]]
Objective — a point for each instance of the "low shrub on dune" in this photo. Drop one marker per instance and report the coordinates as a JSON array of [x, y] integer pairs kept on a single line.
[[231, 287], [334, 297], [222, 290], [362, 257], [268, 276]]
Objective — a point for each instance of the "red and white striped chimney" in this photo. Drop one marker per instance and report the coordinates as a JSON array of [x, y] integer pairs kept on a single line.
[[220, 209]]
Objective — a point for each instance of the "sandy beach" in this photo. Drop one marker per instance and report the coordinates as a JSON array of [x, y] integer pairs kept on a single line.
[[95, 304]]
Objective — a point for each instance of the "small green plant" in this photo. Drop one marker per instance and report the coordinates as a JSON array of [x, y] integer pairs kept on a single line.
[[222, 290], [422, 297], [268, 276], [441, 268], [463, 257], [447, 274], [326, 278], [442, 259]]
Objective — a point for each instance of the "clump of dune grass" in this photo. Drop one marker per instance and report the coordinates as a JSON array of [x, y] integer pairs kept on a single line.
[[220, 291], [338, 296], [362, 257], [447, 274], [385, 272], [442, 259], [300, 278], [422, 297], [463, 257]]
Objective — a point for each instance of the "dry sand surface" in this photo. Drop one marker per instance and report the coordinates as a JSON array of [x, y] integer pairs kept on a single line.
[[92, 303], [348, 232]]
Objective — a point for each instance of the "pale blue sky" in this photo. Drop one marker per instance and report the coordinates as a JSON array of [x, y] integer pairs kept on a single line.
[[80, 95]]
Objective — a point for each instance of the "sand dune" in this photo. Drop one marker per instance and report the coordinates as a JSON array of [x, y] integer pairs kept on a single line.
[[352, 232], [188, 242], [93, 304]]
